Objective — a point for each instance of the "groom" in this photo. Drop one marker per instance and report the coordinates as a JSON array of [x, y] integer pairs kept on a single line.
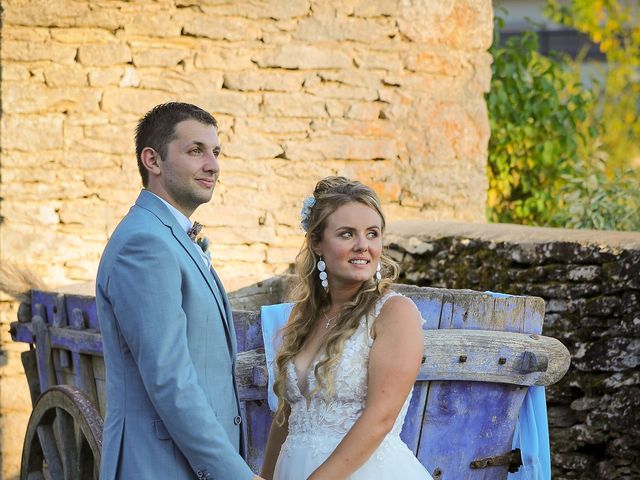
[[169, 340]]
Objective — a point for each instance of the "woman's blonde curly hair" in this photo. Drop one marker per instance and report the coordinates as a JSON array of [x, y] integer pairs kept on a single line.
[[311, 299]]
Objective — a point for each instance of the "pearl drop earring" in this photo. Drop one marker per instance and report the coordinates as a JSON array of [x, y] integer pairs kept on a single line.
[[323, 274]]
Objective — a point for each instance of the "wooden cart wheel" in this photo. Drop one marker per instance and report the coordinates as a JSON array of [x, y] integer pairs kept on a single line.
[[64, 437]]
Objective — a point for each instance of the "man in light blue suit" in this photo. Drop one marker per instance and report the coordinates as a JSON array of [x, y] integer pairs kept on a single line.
[[169, 340]]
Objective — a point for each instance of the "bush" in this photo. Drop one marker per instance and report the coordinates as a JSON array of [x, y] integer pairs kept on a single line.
[[534, 116], [551, 139]]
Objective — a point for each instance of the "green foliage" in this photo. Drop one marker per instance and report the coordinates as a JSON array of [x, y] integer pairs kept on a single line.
[[614, 25], [591, 198], [560, 153], [534, 113]]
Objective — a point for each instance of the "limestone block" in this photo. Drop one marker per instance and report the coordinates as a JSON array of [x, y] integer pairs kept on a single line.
[[250, 9], [22, 51], [322, 28], [253, 147], [99, 181], [304, 57], [43, 185], [290, 238], [270, 80], [211, 55], [232, 103], [481, 78], [325, 90], [160, 56], [356, 78], [102, 77], [336, 108], [89, 212], [59, 76], [273, 125], [276, 38], [15, 72], [364, 111], [370, 59], [157, 21], [133, 100], [169, 81], [341, 147], [31, 133], [30, 213], [376, 8], [110, 138], [465, 24], [78, 36], [238, 253], [130, 78], [234, 235], [373, 128], [26, 34], [437, 61], [92, 160], [82, 270], [36, 98], [285, 255], [233, 29], [176, 81], [14, 394], [104, 55], [45, 13], [293, 105]]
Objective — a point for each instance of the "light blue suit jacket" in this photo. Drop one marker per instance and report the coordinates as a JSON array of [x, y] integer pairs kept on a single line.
[[169, 349]]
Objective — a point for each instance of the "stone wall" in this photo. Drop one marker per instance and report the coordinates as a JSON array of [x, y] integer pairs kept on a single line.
[[387, 91], [590, 282]]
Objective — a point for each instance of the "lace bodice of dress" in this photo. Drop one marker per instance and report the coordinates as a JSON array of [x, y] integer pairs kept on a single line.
[[319, 419]]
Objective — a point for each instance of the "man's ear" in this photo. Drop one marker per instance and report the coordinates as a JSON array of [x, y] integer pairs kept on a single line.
[[151, 160]]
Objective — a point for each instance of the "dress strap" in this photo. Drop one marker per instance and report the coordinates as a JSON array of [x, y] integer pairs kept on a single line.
[[378, 308], [381, 301], [371, 318]]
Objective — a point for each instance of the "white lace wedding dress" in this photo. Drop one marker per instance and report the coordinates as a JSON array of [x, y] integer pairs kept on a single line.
[[315, 430]]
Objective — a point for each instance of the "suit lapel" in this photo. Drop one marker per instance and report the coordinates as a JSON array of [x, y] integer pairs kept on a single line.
[[227, 316], [148, 201]]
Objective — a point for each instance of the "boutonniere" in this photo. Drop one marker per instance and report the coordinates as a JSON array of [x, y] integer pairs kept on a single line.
[[203, 243]]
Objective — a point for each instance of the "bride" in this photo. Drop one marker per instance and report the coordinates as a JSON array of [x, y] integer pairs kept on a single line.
[[350, 351]]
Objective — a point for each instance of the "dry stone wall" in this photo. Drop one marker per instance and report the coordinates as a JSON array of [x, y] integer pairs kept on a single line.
[[590, 282], [387, 91]]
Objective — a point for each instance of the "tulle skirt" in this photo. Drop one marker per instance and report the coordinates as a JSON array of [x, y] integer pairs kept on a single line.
[[302, 454]]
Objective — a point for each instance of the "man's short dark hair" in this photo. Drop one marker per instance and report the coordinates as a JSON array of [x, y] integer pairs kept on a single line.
[[158, 127]]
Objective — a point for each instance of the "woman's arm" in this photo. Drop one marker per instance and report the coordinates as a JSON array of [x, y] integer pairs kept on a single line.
[[394, 363], [277, 435]]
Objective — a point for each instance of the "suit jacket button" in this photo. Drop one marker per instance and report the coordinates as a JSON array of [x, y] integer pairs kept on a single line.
[[237, 420]]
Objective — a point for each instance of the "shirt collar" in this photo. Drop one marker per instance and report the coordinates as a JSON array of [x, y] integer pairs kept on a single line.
[[182, 219]]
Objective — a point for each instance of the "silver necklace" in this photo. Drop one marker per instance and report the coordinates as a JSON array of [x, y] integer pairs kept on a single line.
[[328, 319]]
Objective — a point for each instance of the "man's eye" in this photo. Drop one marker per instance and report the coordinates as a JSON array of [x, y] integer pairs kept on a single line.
[[196, 151], [373, 234], [345, 234]]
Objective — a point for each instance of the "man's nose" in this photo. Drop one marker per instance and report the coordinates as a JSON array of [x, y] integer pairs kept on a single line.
[[212, 164]]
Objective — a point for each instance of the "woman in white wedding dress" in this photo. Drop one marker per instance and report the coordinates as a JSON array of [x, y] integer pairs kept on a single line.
[[350, 352]]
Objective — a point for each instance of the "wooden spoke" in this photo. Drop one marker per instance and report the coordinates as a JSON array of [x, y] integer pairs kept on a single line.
[[64, 437], [50, 450]]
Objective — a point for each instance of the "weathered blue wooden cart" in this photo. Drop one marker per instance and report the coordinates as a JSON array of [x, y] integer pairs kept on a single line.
[[481, 352]]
